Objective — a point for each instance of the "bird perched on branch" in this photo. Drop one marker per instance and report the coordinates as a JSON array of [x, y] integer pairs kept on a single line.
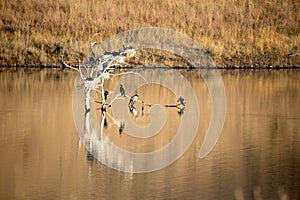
[[106, 93], [181, 101], [122, 90], [133, 99]]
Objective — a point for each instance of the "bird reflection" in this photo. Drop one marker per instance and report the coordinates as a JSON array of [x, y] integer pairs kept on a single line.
[[143, 105], [121, 127], [133, 111], [105, 122], [181, 111], [90, 156]]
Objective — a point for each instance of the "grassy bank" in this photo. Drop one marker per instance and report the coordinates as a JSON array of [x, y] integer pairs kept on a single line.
[[237, 33]]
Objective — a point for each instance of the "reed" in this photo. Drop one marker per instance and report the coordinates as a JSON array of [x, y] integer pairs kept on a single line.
[[237, 33]]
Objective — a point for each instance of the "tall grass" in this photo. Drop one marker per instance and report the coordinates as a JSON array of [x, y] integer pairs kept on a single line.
[[236, 32]]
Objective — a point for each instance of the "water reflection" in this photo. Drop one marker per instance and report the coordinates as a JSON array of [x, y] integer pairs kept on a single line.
[[95, 139], [256, 157]]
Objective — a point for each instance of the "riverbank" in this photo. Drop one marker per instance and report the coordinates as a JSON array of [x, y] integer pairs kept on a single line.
[[243, 33]]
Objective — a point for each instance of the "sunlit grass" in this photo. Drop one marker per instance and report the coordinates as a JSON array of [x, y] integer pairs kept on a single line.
[[237, 33]]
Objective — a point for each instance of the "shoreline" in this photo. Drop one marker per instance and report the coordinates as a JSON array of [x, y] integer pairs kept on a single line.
[[15, 68]]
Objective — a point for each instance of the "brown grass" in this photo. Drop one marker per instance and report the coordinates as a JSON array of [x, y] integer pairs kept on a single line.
[[237, 33]]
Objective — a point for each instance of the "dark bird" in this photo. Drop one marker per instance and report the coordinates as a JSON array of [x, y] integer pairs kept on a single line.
[[106, 93], [133, 99], [143, 105], [122, 90], [181, 101]]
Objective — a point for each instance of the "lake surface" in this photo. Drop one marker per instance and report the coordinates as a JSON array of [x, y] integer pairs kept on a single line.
[[256, 157]]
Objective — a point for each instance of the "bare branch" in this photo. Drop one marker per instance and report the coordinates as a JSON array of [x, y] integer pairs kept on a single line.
[[65, 65]]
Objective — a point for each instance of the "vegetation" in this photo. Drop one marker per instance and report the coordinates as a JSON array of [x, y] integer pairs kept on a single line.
[[237, 33]]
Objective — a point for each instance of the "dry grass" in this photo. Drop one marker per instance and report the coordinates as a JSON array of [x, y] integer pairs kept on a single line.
[[237, 33]]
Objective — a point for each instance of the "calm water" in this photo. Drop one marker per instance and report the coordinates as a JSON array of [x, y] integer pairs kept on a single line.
[[256, 157]]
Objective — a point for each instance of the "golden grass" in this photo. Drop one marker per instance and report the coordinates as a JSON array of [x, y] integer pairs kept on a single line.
[[237, 33]]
